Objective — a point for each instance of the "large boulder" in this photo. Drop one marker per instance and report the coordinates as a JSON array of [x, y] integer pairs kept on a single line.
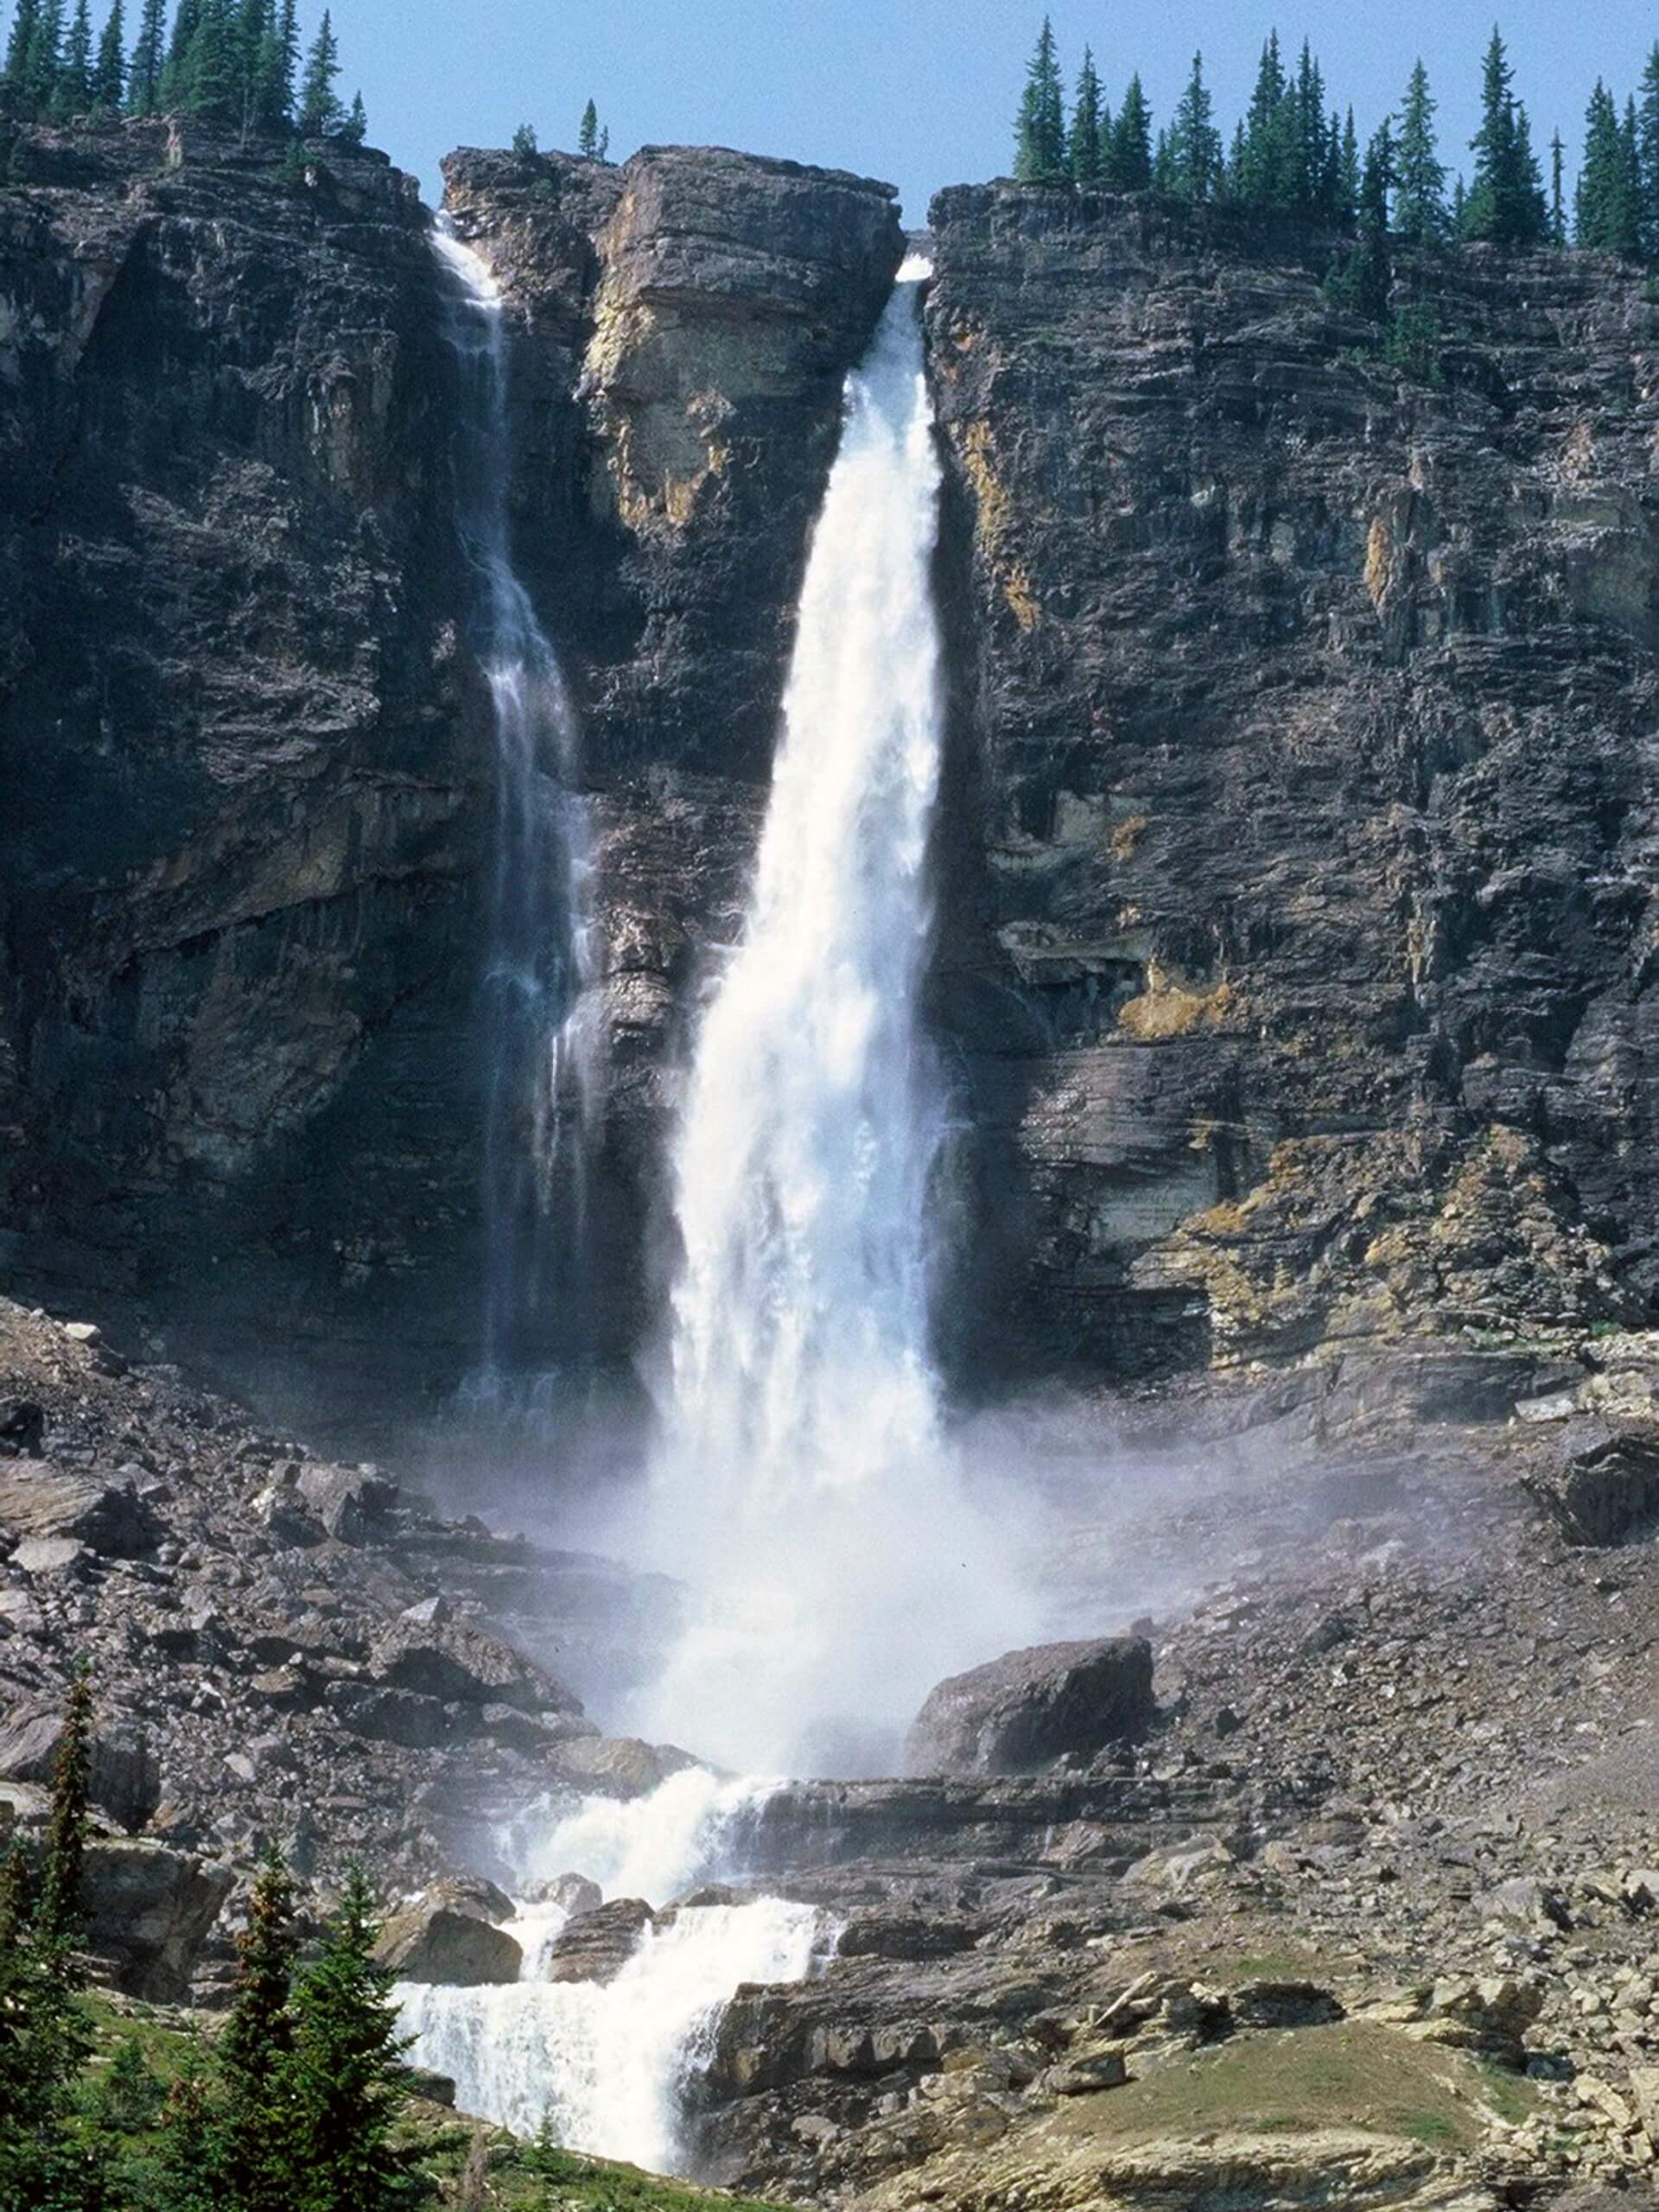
[[1603, 1486], [384, 1716], [355, 1505], [459, 1665], [41, 1501], [1029, 1709], [446, 1936], [126, 1781], [148, 1911], [596, 1946], [615, 1766]]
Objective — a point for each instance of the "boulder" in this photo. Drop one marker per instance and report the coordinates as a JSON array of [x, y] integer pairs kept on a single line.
[[446, 1936], [384, 1716], [1030, 1708], [460, 1665], [41, 1501], [1602, 1487], [126, 1781], [354, 1506], [148, 1911], [615, 1766], [47, 1558], [596, 1946], [572, 1893]]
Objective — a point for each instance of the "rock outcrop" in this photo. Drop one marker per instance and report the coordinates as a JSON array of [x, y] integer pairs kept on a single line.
[[1032, 1708]]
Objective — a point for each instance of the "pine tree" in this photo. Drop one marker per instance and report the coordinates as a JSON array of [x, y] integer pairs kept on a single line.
[[256, 2047], [210, 86], [320, 113], [344, 2077], [1128, 167], [1420, 215], [144, 77], [1647, 157], [587, 133], [1194, 151], [109, 70], [1039, 127], [1364, 280], [1607, 207], [45, 59], [72, 95], [59, 1918], [1086, 153], [1506, 201], [174, 83], [524, 141], [355, 129], [1305, 130], [188, 2159], [19, 41], [1346, 210], [1264, 165]]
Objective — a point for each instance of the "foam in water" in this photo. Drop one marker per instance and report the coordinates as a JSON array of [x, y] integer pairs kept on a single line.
[[542, 1044], [689, 1830], [607, 2064], [803, 1484]]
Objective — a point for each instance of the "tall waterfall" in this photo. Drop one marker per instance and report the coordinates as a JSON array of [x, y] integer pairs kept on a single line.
[[804, 1480], [539, 1043]]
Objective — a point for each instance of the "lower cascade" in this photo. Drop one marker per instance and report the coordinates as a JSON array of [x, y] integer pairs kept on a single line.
[[803, 1487], [607, 2065]]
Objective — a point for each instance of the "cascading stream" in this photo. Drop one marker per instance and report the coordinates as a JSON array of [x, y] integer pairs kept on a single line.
[[805, 1486], [541, 1046]]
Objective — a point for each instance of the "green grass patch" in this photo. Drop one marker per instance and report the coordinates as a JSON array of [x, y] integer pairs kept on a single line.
[[1352, 2073], [539, 2177]]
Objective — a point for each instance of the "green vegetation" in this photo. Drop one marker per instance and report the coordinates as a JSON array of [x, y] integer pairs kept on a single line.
[[1293, 154], [233, 63], [593, 144]]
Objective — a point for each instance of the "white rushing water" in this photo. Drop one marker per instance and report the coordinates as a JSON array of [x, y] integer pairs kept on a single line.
[[803, 1485], [540, 1043], [607, 2065]]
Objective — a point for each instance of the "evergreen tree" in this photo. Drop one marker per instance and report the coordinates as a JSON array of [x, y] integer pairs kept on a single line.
[[1087, 149], [45, 59], [1557, 193], [1304, 132], [1039, 127], [1128, 167], [1265, 157], [73, 93], [524, 141], [1363, 281], [1163, 164], [320, 113], [144, 77], [59, 1918], [587, 133], [20, 39], [1461, 207], [109, 70], [1647, 157], [355, 129], [1420, 215], [174, 83], [344, 2075], [256, 2047], [1506, 201], [187, 2160], [1346, 210], [210, 86], [1194, 151], [1607, 207]]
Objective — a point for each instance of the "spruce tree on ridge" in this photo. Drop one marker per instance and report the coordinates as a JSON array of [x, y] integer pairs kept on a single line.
[[1039, 127]]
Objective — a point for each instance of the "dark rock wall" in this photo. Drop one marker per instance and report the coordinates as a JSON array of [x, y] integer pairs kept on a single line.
[[244, 748], [1297, 954]]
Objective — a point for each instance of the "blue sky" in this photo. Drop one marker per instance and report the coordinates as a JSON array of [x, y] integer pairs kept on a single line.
[[919, 92]]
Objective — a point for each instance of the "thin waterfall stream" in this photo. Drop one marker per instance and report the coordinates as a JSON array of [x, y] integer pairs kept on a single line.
[[541, 1045]]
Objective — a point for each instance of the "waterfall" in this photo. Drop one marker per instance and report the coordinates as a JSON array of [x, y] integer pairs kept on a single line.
[[540, 1041], [608, 2064], [803, 1483]]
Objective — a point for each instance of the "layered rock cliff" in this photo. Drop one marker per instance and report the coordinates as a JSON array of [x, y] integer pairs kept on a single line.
[[1300, 947], [1292, 961]]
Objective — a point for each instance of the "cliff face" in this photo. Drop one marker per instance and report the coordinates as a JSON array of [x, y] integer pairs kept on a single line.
[[1293, 950], [1300, 950], [246, 757]]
